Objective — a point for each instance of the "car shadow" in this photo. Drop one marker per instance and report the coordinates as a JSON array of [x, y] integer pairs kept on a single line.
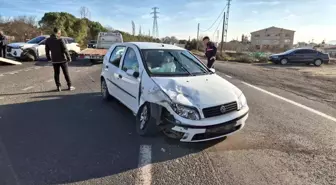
[[77, 63], [59, 138], [287, 65]]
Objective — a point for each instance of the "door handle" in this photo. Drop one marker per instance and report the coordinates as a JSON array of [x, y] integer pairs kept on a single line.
[[119, 75], [106, 66]]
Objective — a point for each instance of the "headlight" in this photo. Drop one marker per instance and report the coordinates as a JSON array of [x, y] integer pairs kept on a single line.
[[275, 57], [241, 101], [185, 112]]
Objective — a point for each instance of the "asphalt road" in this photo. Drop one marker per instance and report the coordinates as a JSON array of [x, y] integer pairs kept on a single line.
[[74, 137]]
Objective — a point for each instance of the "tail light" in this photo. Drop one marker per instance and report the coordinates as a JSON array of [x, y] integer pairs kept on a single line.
[[77, 45]]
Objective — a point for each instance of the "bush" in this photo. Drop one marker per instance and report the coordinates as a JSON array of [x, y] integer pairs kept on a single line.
[[245, 59], [262, 59]]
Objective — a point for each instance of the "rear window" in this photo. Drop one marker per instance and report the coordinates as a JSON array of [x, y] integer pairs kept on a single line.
[[70, 40]]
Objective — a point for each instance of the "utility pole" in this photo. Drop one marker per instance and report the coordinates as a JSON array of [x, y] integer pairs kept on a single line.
[[223, 30], [198, 28], [227, 19]]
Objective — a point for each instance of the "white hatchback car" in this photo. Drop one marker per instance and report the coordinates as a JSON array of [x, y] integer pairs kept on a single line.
[[170, 90]]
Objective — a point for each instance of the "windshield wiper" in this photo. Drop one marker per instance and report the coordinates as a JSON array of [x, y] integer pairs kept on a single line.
[[182, 66]]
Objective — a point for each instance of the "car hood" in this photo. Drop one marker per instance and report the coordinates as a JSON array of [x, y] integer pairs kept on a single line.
[[21, 45], [198, 91]]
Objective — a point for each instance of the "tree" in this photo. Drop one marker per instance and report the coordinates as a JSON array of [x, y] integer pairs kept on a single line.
[[84, 12], [20, 28]]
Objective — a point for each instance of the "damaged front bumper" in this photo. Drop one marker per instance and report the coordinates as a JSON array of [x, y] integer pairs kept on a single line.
[[205, 132]]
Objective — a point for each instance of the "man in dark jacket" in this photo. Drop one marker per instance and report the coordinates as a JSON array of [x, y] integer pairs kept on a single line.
[[59, 57], [3, 44], [210, 51]]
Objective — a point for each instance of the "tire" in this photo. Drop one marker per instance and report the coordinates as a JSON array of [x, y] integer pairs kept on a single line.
[[318, 62], [28, 56], [283, 61], [104, 91], [145, 123], [73, 55]]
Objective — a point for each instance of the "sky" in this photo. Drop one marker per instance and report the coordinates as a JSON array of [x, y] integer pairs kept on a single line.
[[311, 19]]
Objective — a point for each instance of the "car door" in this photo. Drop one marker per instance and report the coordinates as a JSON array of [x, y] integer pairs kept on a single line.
[[111, 67], [310, 55], [296, 56], [127, 80], [41, 54]]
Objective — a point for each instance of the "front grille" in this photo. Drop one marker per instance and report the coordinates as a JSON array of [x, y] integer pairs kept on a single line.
[[218, 110]]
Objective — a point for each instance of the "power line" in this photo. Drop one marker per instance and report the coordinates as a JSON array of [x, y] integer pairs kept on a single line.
[[215, 20], [219, 23]]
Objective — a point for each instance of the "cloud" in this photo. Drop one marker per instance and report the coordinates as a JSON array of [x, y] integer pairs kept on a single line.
[[263, 3], [255, 12]]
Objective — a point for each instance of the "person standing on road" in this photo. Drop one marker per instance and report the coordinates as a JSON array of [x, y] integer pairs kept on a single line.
[[210, 51], [3, 44], [59, 57]]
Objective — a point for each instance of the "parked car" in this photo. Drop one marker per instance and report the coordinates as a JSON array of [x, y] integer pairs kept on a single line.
[[168, 89], [92, 44], [300, 55], [34, 49]]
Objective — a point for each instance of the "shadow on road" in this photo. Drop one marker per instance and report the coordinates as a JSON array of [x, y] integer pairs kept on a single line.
[[282, 66], [77, 63], [71, 138], [17, 94]]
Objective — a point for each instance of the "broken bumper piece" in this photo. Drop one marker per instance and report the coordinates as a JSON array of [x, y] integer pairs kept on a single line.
[[199, 134]]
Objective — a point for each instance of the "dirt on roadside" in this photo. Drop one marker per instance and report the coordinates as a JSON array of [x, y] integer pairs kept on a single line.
[[315, 83]]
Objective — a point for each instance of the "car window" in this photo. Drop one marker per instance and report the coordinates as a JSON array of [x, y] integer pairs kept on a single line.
[[70, 40], [116, 55], [130, 61], [43, 42], [36, 40], [65, 41]]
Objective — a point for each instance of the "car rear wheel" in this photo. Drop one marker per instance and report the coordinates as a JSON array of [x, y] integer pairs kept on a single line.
[[104, 91], [145, 123], [318, 62], [283, 61], [73, 55]]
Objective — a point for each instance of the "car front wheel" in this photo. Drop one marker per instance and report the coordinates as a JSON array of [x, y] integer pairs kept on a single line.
[[283, 61], [145, 123], [318, 62]]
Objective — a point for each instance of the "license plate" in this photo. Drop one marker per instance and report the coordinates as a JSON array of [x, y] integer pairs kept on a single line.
[[220, 128]]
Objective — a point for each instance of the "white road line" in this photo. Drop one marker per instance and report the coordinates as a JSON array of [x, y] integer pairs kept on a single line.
[[145, 167], [1, 98], [228, 76], [50, 80], [77, 71], [27, 88], [292, 102], [37, 67]]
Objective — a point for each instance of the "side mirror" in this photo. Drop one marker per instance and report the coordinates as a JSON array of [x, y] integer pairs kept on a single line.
[[213, 70], [133, 73]]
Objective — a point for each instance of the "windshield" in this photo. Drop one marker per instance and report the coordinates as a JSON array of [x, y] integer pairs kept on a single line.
[[161, 62], [36, 40]]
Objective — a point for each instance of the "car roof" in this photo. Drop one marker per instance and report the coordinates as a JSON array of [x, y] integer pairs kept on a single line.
[[153, 45]]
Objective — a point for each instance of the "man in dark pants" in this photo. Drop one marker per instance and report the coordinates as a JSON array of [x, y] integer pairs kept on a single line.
[[59, 57], [3, 44], [210, 51]]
